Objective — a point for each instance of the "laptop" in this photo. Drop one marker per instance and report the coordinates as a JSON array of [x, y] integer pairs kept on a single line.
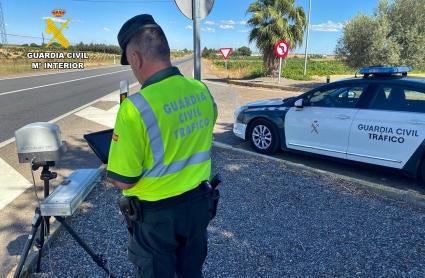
[[100, 142]]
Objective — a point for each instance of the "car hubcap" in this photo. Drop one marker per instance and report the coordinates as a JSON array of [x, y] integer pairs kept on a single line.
[[262, 137]]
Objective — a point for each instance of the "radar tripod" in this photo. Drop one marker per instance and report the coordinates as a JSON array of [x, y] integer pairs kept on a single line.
[[43, 222]]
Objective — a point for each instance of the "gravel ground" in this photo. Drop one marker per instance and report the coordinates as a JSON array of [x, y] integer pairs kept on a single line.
[[273, 221]]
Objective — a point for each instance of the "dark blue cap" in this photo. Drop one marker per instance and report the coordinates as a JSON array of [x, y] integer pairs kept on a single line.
[[130, 28]]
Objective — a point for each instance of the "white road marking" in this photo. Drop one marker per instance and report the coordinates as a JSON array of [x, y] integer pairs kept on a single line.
[[12, 183], [111, 97], [99, 116], [58, 72], [63, 82], [7, 142]]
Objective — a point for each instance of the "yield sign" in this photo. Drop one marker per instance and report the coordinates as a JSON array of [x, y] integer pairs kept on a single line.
[[226, 52]]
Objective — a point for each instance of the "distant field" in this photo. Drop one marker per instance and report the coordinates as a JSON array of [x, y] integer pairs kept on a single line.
[[252, 67], [13, 60]]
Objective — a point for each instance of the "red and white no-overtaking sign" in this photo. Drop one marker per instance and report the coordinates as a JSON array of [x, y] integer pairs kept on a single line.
[[281, 49]]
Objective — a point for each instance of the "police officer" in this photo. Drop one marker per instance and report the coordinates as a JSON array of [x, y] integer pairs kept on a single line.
[[161, 154]]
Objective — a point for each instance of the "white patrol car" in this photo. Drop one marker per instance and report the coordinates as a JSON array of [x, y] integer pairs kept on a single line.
[[378, 119]]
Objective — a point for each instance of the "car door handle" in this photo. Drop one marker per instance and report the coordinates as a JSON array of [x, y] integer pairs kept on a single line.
[[416, 122], [343, 117]]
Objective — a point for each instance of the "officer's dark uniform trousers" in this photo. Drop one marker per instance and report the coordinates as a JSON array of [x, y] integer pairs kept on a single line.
[[170, 237]]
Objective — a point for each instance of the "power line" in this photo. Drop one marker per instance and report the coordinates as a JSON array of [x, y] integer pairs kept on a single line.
[[20, 36], [26, 37], [41, 38]]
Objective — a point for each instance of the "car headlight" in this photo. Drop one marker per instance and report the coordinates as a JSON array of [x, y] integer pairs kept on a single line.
[[238, 111]]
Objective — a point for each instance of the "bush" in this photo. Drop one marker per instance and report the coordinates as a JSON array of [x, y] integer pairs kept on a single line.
[[209, 53]]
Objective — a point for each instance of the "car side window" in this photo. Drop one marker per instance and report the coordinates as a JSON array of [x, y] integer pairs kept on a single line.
[[397, 98], [341, 97]]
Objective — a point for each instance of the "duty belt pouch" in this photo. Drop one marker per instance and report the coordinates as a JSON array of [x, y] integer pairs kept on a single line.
[[215, 196], [129, 210]]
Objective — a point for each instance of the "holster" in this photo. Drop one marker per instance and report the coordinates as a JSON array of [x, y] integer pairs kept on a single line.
[[214, 196], [130, 211]]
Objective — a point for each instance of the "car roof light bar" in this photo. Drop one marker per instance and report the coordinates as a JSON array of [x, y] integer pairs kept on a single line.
[[379, 70]]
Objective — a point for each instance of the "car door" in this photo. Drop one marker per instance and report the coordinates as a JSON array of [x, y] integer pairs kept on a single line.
[[391, 129], [323, 125]]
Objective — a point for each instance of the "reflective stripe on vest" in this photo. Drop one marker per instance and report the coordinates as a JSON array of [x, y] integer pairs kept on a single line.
[[157, 146]]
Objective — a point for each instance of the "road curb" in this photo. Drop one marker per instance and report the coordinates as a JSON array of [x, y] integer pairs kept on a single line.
[[55, 226], [268, 86], [406, 196]]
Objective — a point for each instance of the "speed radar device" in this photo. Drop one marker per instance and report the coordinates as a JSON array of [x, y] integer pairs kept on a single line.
[[41, 145], [39, 142]]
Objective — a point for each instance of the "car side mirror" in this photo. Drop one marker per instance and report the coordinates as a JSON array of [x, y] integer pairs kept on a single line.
[[299, 104]]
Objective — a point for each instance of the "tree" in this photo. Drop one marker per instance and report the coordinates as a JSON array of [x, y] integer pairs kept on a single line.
[[384, 49], [243, 51], [272, 20], [407, 24], [394, 35], [356, 41]]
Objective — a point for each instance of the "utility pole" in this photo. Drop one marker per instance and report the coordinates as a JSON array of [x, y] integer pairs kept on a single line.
[[306, 39], [2, 27], [196, 9]]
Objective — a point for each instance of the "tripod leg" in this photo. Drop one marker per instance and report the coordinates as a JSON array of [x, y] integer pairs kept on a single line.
[[40, 242], [96, 258], [34, 227]]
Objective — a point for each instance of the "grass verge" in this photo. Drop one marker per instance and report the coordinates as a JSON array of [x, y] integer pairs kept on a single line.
[[292, 68]]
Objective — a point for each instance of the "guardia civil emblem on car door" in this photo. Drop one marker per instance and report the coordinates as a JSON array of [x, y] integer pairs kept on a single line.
[[315, 127]]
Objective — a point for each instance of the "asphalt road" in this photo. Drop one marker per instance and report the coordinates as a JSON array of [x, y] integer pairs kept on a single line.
[[24, 100]]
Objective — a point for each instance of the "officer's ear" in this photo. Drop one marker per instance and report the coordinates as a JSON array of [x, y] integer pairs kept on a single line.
[[140, 60], [134, 58]]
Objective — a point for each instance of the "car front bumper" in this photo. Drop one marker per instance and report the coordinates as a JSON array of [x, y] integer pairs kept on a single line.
[[239, 130]]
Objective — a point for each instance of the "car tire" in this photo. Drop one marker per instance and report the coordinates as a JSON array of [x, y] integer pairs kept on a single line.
[[264, 137]]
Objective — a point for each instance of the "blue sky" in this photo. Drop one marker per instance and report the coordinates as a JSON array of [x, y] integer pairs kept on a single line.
[[224, 27]]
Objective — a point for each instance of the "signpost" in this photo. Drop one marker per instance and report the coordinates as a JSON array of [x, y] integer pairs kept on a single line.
[[226, 54], [281, 49], [196, 10]]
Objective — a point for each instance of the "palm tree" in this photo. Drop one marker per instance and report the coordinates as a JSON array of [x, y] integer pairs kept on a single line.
[[273, 20]]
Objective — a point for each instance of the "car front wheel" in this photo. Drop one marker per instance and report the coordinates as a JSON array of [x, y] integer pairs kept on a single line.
[[264, 137], [422, 173]]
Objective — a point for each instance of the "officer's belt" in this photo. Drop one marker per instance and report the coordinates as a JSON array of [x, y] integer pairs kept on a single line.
[[197, 193]]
